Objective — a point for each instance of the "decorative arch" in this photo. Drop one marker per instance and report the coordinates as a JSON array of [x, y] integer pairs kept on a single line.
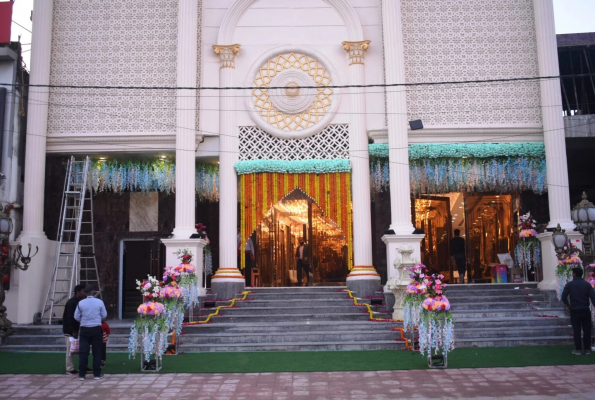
[[239, 8], [260, 191]]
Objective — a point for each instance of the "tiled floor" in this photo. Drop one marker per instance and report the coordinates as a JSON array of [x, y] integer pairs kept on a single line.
[[559, 382]]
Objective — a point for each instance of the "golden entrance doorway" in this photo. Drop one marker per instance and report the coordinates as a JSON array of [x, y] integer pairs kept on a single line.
[[293, 218]]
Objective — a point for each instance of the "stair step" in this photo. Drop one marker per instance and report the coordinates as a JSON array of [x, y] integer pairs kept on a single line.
[[324, 318]]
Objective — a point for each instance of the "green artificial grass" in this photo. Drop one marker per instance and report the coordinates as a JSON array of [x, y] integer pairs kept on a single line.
[[306, 361]]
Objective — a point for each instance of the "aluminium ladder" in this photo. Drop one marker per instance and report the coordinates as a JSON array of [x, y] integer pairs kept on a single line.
[[74, 261]]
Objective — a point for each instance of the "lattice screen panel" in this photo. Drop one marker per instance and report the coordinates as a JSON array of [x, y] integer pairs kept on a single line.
[[457, 40], [331, 143]]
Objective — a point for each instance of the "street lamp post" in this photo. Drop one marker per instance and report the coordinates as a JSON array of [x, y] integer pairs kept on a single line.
[[7, 261], [560, 241], [583, 216]]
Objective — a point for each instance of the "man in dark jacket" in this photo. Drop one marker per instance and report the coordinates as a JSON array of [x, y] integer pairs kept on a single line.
[[580, 292], [70, 326], [303, 262], [457, 251]]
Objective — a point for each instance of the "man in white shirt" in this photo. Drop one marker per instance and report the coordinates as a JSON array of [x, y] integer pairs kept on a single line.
[[90, 312], [303, 262]]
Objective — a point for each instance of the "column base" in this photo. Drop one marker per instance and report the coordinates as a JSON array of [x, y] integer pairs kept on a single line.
[[227, 282], [401, 251], [364, 281], [549, 261], [389, 300], [196, 246]]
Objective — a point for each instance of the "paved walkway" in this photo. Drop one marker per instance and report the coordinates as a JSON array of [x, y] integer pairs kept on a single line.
[[560, 382]]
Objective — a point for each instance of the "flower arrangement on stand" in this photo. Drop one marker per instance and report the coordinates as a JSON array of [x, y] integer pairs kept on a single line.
[[149, 288], [174, 311], [150, 330], [174, 306], [568, 260], [414, 296], [185, 276], [436, 325], [528, 249], [591, 275]]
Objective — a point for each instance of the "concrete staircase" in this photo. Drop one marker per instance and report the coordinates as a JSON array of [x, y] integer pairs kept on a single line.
[[513, 314], [324, 318], [270, 319]]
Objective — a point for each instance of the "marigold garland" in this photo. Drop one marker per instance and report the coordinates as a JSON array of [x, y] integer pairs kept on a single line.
[[408, 345], [259, 191]]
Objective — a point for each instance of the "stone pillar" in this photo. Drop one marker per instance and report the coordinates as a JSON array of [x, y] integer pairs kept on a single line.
[[196, 247], [403, 251], [549, 261], [33, 284], [396, 102], [228, 280], [398, 153], [551, 112], [363, 279], [553, 134], [37, 118], [186, 119]]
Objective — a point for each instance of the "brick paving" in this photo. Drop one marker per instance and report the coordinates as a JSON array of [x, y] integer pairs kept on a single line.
[[556, 382]]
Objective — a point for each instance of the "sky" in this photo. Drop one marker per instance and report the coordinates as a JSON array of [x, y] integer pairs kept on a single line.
[[572, 16]]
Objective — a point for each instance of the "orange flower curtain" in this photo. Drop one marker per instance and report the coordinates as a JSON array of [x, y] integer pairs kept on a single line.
[[260, 191]]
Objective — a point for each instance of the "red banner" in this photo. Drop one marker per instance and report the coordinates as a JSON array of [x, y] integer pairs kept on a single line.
[[5, 21]]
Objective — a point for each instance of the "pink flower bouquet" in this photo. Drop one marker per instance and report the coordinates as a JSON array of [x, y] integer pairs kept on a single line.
[[438, 303], [171, 292], [186, 268], [416, 288], [525, 233], [151, 308]]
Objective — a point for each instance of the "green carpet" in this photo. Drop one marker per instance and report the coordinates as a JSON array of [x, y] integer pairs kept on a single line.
[[371, 360]]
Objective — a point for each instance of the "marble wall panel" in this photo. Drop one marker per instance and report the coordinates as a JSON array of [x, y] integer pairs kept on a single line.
[[144, 212]]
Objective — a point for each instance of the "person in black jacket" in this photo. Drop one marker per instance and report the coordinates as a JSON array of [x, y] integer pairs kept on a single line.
[[70, 326], [457, 251], [580, 292]]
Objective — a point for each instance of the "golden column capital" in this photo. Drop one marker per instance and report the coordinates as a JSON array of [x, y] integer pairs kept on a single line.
[[356, 51], [227, 54]]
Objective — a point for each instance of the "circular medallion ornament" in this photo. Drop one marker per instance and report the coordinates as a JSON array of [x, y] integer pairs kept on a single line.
[[292, 98]]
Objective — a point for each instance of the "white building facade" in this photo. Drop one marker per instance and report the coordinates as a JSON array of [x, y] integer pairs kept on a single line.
[[289, 88]]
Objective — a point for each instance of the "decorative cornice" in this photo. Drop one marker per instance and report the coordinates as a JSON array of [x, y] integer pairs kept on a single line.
[[123, 142], [356, 51], [468, 133], [227, 54]]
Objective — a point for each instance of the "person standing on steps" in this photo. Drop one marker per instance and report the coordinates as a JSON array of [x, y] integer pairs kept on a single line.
[[580, 292], [303, 262], [248, 258], [457, 251], [90, 312], [70, 326]]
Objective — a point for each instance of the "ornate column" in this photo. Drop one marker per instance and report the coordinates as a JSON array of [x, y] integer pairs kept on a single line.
[[186, 141], [396, 101], [33, 287], [186, 119], [551, 112], [553, 134], [228, 279], [37, 118], [403, 238], [363, 279]]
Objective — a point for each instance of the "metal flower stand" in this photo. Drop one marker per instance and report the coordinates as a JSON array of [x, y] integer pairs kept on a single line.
[[528, 258], [153, 365], [174, 345], [437, 361]]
